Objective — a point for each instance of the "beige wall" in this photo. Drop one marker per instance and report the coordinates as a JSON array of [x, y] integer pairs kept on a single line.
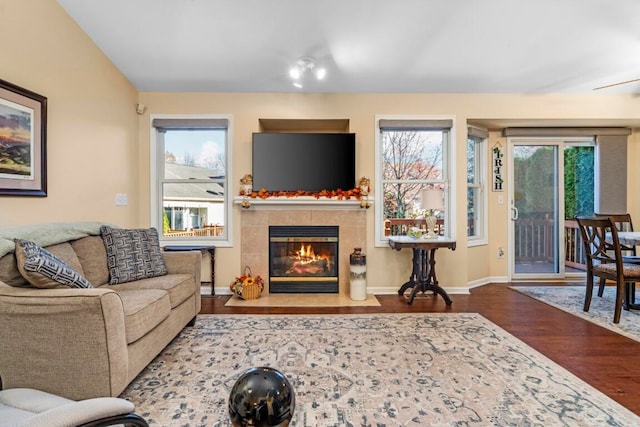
[[386, 268], [98, 146], [92, 144], [633, 175]]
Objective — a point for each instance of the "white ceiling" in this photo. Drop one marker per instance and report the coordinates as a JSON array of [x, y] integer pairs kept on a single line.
[[401, 46]]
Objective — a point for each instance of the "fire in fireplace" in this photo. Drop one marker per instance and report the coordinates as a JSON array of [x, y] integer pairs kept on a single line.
[[303, 259]]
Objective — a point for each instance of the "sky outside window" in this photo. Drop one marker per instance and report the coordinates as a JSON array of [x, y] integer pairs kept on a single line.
[[197, 148]]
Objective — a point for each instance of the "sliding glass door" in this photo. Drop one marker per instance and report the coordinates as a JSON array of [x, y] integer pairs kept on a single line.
[[550, 179]]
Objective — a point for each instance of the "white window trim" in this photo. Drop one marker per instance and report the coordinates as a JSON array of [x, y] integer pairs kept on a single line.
[[154, 188], [482, 175], [450, 154]]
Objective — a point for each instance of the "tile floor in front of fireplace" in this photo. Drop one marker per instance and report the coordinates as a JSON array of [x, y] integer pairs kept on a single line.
[[303, 300]]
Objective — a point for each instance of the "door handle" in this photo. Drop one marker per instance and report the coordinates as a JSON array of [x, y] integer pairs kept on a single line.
[[514, 213]]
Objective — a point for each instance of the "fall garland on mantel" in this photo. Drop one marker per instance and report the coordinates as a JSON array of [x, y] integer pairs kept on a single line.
[[360, 193], [329, 194]]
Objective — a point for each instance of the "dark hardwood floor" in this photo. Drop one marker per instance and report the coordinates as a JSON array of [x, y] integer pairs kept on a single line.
[[604, 359]]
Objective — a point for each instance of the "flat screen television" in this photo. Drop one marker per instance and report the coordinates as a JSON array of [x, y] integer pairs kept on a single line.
[[303, 161]]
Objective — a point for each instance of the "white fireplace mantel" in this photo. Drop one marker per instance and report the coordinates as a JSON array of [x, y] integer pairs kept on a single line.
[[302, 202]]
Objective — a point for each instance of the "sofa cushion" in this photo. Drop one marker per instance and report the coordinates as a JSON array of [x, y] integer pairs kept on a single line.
[[93, 258], [132, 254], [65, 252], [44, 270], [9, 272], [178, 286], [143, 311]]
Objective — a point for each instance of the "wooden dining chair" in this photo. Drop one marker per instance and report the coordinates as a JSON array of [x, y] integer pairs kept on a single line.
[[604, 260], [622, 222]]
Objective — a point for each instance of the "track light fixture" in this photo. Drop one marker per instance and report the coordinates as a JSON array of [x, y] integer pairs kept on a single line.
[[304, 66]]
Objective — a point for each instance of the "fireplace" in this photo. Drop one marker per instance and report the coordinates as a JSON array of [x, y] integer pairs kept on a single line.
[[303, 259]]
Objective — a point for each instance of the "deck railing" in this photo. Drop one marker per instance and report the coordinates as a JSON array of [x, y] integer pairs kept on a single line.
[[206, 231], [535, 242], [535, 239], [400, 226], [574, 255]]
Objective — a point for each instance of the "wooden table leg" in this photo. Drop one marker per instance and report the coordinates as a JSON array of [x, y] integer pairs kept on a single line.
[[419, 264], [424, 266], [414, 277], [423, 272], [433, 281], [212, 254]]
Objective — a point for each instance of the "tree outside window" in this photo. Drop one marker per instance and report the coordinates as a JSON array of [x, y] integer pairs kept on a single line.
[[413, 172]]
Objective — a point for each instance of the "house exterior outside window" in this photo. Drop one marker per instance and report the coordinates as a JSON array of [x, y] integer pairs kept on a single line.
[[191, 194], [412, 173], [476, 186]]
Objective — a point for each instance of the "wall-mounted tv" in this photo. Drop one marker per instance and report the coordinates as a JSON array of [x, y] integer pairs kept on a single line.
[[303, 161]]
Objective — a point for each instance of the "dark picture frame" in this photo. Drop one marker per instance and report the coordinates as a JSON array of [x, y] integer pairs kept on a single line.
[[23, 142]]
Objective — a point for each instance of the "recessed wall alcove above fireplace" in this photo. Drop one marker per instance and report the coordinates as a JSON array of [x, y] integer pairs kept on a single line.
[[255, 224]]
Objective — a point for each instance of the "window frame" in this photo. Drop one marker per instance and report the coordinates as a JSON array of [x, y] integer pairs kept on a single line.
[[448, 164], [480, 183], [157, 180]]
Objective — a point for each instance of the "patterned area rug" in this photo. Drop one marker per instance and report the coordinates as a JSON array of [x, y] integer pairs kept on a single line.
[[370, 370], [571, 300]]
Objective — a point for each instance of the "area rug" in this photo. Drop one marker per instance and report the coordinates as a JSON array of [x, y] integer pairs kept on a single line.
[[370, 370], [303, 300], [571, 300]]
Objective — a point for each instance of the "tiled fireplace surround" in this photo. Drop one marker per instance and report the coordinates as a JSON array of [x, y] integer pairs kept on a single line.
[[255, 235]]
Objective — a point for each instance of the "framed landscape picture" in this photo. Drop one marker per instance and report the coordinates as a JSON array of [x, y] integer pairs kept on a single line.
[[23, 142]]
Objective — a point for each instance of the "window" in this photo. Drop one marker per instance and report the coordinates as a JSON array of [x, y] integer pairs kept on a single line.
[[412, 157], [476, 188], [192, 193]]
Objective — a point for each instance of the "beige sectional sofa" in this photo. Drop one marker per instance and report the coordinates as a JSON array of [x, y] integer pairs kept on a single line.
[[85, 343]]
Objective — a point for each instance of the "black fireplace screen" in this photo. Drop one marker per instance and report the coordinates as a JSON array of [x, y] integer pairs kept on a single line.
[[303, 259]]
